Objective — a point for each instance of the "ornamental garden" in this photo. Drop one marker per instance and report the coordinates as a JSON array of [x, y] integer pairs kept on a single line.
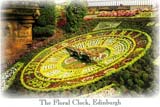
[[110, 53]]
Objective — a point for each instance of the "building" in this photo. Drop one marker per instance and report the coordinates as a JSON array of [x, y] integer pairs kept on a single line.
[[121, 4]]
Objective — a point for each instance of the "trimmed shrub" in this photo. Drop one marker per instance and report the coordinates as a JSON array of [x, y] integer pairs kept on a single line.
[[43, 31]]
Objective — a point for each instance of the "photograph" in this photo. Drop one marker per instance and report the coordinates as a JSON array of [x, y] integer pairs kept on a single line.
[[85, 52]]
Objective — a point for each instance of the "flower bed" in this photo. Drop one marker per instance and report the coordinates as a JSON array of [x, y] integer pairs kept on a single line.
[[8, 77], [118, 13], [46, 72]]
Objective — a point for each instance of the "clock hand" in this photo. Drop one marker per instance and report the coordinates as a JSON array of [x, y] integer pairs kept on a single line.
[[83, 55], [79, 54]]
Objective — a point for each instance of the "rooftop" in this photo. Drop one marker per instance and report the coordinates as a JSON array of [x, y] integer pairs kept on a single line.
[[94, 3]]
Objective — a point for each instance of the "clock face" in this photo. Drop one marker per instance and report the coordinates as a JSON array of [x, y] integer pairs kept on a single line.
[[54, 68]]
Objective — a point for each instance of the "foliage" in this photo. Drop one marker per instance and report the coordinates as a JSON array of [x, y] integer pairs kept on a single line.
[[140, 80], [46, 22], [45, 31], [75, 12], [47, 16]]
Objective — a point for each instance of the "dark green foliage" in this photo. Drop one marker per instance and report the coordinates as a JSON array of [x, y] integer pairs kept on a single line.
[[137, 88], [99, 84], [145, 77], [48, 15], [75, 12], [121, 81], [44, 31], [130, 82], [123, 88], [136, 80], [138, 77], [93, 87], [141, 83], [45, 24], [126, 75]]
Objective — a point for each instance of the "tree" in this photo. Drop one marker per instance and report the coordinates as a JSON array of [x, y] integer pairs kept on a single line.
[[46, 22], [75, 12]]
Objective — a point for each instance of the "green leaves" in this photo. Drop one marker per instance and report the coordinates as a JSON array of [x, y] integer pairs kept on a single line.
[[75, 12], [126, 75], [44, 31], [130, 82], [145, 77], [46, 22], [48, 15], [137, 78]]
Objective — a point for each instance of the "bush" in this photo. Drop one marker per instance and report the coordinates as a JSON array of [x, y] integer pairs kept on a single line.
[[43, 31], [46, 22], [48, 15], [126, 75], [75, 12], [130, 82], [145, 77]]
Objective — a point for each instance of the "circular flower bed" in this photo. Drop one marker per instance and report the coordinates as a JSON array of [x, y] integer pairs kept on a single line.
[[54, 69]]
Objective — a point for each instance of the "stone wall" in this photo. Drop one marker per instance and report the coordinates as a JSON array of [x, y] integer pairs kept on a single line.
[[17, 31], [16, 38]]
